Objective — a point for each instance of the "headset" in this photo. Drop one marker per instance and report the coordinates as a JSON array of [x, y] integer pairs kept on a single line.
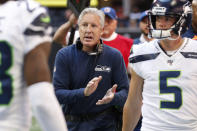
[[98, 50]]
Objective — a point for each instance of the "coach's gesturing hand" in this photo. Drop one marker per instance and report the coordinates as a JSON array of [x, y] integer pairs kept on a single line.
[[92, 85], [108, 96]]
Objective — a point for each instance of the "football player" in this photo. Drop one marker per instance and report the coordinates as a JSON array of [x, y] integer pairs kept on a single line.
[[164, 73]]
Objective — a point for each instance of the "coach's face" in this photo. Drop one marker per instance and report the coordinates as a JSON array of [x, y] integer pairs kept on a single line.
[[90, 31]]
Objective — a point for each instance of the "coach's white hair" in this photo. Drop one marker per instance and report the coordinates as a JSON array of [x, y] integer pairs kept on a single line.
[[93, 11]]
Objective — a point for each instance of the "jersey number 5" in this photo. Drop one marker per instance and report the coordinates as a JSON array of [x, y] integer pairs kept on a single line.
[[166, 89], [5, 77]]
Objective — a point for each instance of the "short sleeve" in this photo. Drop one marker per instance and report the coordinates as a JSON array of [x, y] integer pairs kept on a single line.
[[37, 27]]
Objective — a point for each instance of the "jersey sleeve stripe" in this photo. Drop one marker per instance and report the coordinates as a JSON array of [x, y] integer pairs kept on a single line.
[[140, 58], [192, 55]]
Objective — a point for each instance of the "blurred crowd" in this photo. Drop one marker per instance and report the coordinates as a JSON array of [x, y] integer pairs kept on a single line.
[[125, 21]]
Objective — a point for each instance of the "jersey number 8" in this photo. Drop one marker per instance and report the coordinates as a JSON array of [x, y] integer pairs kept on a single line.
[[5, 77]]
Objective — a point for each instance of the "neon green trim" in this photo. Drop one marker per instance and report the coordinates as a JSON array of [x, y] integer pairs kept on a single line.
[[46, 19]]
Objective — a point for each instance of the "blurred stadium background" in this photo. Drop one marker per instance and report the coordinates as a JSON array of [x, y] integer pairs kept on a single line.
[[128, 12]]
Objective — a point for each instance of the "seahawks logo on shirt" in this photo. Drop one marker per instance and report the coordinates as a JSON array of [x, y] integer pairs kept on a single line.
[[102, 68]]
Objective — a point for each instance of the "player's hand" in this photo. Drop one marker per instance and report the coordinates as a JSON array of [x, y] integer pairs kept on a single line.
[[108, 96], [92, 86]]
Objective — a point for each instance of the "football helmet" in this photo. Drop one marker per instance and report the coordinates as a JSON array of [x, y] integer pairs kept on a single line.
[[180, 9]]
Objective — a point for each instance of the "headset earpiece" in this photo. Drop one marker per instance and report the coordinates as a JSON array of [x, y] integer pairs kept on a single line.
[[98, 50]]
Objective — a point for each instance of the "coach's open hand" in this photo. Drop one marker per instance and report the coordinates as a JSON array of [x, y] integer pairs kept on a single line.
[[108, 96], [92, 85]]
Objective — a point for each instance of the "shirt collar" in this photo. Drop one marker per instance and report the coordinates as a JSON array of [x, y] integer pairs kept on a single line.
[[112, 37]]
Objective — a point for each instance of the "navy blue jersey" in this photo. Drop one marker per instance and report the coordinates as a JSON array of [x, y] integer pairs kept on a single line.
[[73, 70]]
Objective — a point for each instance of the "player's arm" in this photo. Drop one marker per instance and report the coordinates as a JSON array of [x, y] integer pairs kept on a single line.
[[60, 34], [41, 92], [36, 64], [132, 107], [194, 15]]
